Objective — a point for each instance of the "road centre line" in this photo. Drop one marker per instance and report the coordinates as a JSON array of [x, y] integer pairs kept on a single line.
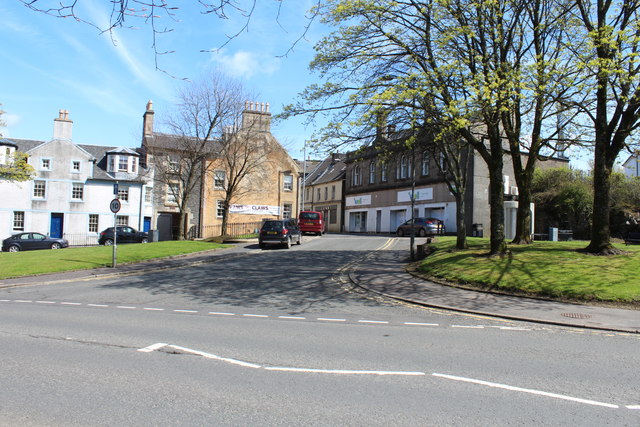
[[153, 309], [633, 407], [255, 315], [185, 311], [45, 302], [97, 305], [23, 300], [468, 326], [292, 317], [343, 371], [525, 390], [217, 313], [328, 319], [126, 307], [70, 303], [421, 324], [374, 321]]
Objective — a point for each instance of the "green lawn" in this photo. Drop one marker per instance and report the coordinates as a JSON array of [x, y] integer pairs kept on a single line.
[[547, 269], [47, 261]]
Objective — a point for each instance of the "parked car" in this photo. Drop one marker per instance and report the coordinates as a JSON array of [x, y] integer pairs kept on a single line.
[[422, 227], [279, 232], [30, 241], [125, 234], [311, 222]]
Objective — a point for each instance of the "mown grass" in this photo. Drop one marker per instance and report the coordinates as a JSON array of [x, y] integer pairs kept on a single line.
[[47, 261], [548, 269]]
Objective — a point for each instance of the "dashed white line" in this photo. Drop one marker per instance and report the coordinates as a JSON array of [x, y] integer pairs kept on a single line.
[[5, 300], [23, 300], [421, 324], [185, 311], [384, 322], [292, 317], [97, 305], [217, 313], [255, 315], [45, 302], [153, 309], [526, 390], [126, 307], [328, 319], [152, 347], [633, 407], [70, 303], [468, 326]]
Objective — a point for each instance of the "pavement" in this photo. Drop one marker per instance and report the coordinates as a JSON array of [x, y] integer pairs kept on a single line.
[[384, 272]]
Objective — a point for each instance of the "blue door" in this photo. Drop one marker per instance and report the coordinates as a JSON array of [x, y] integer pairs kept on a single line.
[[146, 226], [56, 225]]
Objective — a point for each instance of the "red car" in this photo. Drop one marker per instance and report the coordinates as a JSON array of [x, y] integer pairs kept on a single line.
[[311, 222]]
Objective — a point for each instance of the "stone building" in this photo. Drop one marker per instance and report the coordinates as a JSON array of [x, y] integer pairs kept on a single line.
[[324, 190]]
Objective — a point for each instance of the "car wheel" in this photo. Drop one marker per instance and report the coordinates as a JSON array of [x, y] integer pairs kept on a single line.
[[400, 233], [55, 246], [262, 245], [288, 244], [108, 242], [299, 242], [144, 240], [14, 248], [422, 232], [319, 233]]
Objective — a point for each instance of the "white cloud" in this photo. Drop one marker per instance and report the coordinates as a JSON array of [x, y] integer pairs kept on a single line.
[[246, 64]]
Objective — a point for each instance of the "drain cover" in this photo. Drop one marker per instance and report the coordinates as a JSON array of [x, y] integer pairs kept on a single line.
[[576, 315]]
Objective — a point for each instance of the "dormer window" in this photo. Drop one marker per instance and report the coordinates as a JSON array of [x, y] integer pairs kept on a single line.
[[119, 162], [123, 164]]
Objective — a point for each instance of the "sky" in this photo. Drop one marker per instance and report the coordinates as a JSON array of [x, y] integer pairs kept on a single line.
[[105, 80]]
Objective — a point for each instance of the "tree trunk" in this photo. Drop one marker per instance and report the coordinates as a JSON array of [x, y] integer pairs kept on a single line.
[[225, 216], [523, 217], [461, 233], [600, 232], [496, 206]]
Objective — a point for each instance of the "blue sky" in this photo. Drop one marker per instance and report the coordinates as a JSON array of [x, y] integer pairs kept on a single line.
[[50, 64]]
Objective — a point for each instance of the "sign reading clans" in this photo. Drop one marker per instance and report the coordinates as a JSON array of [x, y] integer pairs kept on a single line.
[[115, 206]]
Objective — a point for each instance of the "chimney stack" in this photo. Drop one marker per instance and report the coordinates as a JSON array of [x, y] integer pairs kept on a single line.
[[256, 117], [62, 126], [147, 120]]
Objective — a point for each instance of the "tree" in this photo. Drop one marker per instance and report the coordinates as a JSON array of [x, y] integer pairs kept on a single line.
[[609, 57], [181, 159]]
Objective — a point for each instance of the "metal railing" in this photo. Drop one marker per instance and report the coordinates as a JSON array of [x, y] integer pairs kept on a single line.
[[81, 239], [240, 230]]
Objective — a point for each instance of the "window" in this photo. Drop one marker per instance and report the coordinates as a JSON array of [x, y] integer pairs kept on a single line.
[[220, 208], [372, 173], [39, 189], [93, 223], [123, 163], [425, 164], [357, 179], [148, 193], [45, 164], [383, 172], [318, 193], [333, 192], [123, 193], [134, 165], [404, 167], [286, 211], [122, 220], [75, 166], [326, 193], [18, 221], [306, 194], [173, 190], [77, 191], [288, 182], [443, 163], [219, 178], [112, 163]]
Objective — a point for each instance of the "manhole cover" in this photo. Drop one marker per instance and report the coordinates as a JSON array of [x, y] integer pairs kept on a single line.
[[576, 315]]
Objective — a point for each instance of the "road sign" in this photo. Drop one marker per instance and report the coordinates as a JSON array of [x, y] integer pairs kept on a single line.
[[115, 206], [115, 189]]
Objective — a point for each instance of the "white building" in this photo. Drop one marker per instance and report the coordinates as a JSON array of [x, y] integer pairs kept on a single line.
[[73, 185], [631, 166]]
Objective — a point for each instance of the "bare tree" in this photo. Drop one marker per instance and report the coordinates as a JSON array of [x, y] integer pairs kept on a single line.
[[14, 166], [181, 159]]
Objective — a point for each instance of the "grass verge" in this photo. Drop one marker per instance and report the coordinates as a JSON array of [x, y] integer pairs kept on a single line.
[[29, 263], [556, 270]]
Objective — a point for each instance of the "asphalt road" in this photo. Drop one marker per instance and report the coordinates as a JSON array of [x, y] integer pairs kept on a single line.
[[280, 337]]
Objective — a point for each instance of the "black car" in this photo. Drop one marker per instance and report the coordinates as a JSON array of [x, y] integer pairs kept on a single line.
[[422, 227], [30, 241], [279, 232], [126, 234]]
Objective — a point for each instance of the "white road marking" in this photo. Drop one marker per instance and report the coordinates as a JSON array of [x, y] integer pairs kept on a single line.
[[526, 390], [126, 307], [213, 356], [327, 319], [292, 317], [421, 324], [45, 302], [152, 347], [185, 311], [70, 303], [97, 305], [153, 309], [343, 371], [24, 300], [468, 326], [5, 300], [634, 407], [221, 314], [373, 321], [255, 315]]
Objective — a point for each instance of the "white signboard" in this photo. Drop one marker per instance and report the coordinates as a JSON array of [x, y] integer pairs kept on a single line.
[[419, 194], [254, 209], [358, 200]]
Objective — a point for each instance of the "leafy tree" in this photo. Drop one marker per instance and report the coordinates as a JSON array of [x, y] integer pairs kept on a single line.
[[609, 57]]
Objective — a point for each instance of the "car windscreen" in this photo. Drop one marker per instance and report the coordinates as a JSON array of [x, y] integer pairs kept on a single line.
[[272, 225], [310, 215]]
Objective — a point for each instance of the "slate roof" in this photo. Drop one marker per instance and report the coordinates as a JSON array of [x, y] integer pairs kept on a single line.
[[330, 169]]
